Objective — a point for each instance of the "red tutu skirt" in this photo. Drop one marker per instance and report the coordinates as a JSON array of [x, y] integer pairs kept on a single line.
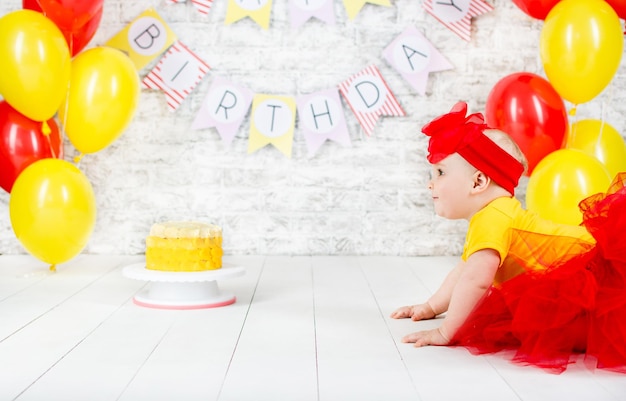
[[578, 307]]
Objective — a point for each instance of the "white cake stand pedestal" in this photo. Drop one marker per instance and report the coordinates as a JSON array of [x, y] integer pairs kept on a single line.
[[182, 290]]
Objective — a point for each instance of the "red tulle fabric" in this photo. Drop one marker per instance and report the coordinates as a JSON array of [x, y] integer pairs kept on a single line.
[[578, 307]]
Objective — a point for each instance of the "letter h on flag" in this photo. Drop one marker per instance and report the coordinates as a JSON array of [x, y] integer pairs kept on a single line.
[[369, 97]]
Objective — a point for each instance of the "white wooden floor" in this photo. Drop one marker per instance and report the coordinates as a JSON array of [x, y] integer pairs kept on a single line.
[[303, 328]]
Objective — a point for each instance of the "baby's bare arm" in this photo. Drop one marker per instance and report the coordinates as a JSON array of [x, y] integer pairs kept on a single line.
[[437, 304], [478, 274], [474, 281]]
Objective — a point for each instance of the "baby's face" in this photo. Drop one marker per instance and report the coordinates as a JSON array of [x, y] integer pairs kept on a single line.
[[451, 183]]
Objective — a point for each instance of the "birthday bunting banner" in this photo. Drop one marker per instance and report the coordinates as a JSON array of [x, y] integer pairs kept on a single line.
[[413, 57], [369, 97], [322, 119], [457, 14], [272, 122], [272, 118], [203, 6], [144, 39], [224, 107], [354, 6], [300, 11], [176, 74], [258, 10]]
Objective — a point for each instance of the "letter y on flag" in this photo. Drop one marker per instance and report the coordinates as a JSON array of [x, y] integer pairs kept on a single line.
[[457, 14]]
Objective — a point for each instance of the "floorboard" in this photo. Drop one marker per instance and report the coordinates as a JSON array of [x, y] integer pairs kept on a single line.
[[303, 328]]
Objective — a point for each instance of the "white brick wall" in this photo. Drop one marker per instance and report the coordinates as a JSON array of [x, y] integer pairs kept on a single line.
[[370, 198]]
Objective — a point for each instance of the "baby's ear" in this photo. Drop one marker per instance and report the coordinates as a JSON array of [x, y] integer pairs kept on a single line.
[[481, 181]]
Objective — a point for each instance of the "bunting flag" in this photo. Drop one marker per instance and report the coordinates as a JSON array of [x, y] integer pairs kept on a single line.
[[457, 14], [301, 11], [176, 74], [322, 119], [203, 6], [144, 39], [258, 10], [354, 6], [224, 107], [369, 97], [413, 56], [272, 121]]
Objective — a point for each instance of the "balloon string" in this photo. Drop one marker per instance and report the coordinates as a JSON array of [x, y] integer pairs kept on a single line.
[[54, 154], [605, 104], [45, 130]]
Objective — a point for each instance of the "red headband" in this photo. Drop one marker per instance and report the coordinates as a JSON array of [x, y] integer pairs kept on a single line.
[[457, 133]]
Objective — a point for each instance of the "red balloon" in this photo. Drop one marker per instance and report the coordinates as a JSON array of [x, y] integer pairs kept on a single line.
[[536, 8], [22, 143], [528, 108], [619, 6], [77, 19]]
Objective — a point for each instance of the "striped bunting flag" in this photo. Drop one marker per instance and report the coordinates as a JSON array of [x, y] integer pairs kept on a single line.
[[176, 74], [203, 6], [457, 14], [369, 97]]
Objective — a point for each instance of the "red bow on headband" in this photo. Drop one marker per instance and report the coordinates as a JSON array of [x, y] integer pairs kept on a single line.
[[453, 131], [457, 133]]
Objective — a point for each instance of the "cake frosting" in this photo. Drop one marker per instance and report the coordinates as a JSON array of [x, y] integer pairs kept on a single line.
[[184, 246]]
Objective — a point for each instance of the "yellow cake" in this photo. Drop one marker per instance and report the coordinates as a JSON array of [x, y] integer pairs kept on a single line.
[[184, 246]]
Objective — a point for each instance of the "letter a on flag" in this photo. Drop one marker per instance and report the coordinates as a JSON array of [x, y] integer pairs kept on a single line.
[[369, 97]]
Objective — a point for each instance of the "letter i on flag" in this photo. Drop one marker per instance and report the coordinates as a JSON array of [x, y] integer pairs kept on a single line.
[[176, 74], [369, 97]]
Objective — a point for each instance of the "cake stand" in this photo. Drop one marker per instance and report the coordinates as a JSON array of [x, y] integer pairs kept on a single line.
[[182, 290]]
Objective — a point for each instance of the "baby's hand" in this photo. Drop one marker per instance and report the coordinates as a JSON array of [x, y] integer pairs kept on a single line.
[[415, 312], [428, 337]]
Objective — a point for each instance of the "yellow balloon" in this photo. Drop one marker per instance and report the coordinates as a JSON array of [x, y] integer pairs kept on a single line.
[[34, 63], [53, 210], [599, 139], [101, 100], [561, 180], [581, 47]]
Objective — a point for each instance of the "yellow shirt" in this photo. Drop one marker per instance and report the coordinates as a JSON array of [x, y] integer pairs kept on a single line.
[[524, 240]]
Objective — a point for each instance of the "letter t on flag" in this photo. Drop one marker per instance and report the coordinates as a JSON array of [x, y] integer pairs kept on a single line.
[[369, 97], [272, 121], [176, 74]]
